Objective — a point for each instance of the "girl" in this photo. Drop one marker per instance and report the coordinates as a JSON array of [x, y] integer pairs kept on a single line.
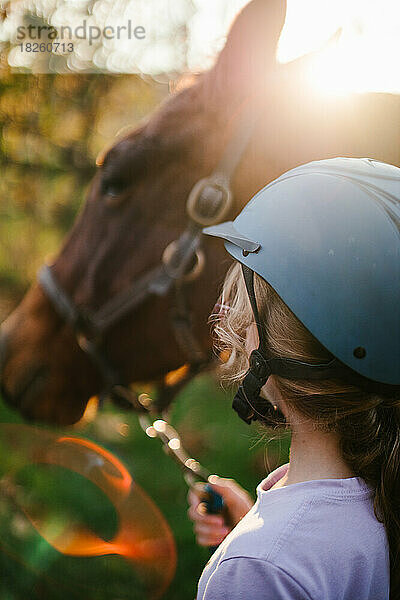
[[312, 323]]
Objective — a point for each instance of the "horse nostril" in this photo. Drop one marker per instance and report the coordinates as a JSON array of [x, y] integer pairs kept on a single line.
[[27, 391], [5, 395], [3, 350]]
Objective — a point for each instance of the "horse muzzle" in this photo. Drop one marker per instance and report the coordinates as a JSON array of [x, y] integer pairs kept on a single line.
[[44, 375], [20, 392]]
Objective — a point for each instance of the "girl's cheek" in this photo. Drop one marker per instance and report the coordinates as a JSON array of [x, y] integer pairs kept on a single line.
[[251, 338]]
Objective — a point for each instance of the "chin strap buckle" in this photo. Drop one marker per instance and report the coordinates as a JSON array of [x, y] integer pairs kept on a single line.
[[247, 397], [248, 403]]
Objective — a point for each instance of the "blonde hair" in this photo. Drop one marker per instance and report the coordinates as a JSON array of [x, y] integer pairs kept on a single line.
[[367, 424], [286, 335]]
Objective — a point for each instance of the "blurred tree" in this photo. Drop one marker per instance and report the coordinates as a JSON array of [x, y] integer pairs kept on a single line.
[[51, 129]]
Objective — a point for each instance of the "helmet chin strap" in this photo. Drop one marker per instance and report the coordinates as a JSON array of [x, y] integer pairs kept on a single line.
[[247, 402]]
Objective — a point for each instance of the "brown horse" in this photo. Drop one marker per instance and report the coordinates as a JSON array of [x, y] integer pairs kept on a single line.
[[136, 207]]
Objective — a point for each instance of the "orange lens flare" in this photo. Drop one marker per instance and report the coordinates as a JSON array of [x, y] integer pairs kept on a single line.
[[121, 480], [143, 538]]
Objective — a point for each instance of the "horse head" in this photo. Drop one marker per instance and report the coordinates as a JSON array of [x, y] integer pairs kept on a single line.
[[136, 206]]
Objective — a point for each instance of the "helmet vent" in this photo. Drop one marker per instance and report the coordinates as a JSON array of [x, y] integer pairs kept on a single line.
[[359, 352]]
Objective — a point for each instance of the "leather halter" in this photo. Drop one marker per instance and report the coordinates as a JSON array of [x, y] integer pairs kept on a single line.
[[208, 203]]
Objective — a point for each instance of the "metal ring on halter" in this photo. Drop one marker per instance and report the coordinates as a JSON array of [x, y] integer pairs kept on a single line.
[[216, 213], [194, 272]]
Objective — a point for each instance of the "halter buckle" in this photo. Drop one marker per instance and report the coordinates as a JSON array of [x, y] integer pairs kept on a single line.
[[209, 200], [175, 270]]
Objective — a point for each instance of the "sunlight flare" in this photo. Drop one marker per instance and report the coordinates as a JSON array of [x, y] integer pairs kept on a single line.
[[361, 57]]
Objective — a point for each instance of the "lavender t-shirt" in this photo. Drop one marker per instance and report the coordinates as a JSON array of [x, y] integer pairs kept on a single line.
[[314, 540]]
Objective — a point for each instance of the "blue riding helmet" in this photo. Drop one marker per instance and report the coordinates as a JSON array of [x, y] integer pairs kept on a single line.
[[326, 237]]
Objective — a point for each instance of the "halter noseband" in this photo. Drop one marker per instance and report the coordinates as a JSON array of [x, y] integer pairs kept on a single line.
[[208, 203]]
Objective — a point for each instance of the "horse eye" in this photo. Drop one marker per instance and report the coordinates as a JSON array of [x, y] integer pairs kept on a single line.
[[112, 188]]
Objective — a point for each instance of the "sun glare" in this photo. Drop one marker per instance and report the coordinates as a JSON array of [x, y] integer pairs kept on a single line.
[[356, 43]]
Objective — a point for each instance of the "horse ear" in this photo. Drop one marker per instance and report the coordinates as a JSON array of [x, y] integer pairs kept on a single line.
[[249, 54]]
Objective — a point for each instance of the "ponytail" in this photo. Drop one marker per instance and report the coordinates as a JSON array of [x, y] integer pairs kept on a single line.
[[374, 455]]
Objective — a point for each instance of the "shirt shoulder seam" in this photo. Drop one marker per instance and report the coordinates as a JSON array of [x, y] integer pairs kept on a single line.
[[298, 514], [269, 562]]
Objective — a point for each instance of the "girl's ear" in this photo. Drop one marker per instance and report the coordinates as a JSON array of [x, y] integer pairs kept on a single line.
[[270, 392], [250, 51]]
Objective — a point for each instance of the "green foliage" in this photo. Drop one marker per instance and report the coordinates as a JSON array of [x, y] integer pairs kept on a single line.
[[52, 127], [211, 432]]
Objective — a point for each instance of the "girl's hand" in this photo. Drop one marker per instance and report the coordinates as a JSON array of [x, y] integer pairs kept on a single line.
[[210, 530]]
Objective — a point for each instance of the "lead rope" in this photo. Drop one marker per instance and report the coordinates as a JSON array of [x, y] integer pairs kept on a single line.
[[195, 475]]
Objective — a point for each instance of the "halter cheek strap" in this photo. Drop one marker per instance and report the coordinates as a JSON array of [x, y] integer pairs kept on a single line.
[[209, 202]]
